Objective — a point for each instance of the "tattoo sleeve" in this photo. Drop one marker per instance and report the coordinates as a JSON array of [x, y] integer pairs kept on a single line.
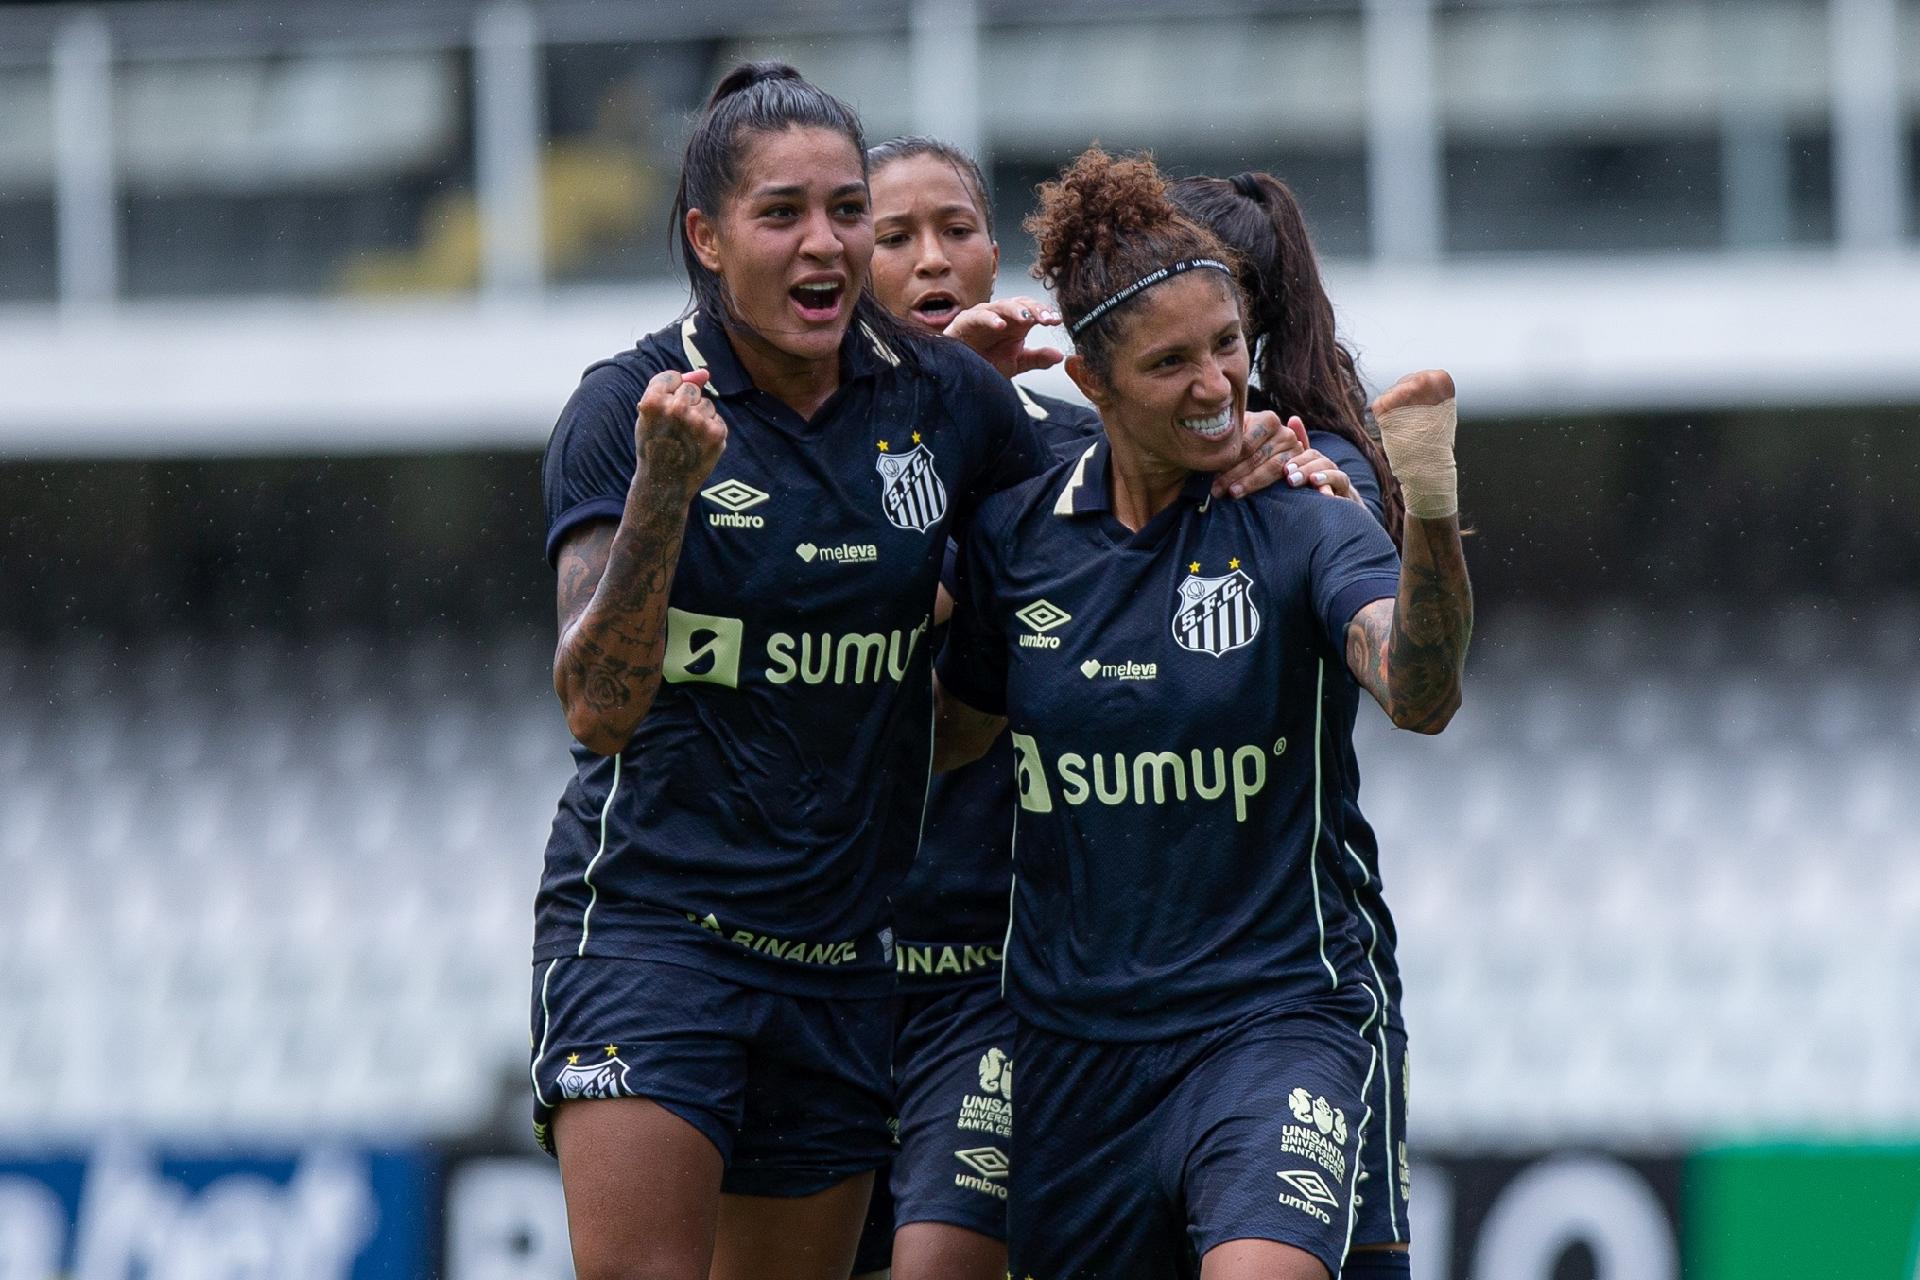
[[614, 580], [1410, 653]]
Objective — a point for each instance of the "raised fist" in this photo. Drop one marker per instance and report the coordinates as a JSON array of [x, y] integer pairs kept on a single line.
[[679, 435]]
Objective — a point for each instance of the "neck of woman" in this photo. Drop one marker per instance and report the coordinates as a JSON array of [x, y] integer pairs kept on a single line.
[[1143, 486], [801, 384]]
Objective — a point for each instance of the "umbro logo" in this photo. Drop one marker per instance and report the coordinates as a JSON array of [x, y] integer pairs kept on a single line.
[[989, 1162], [734, 496], [1042, 616], [1311, 1185]]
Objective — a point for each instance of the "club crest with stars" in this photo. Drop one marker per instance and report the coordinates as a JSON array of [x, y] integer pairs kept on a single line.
[[1215, 615], [910, 490], [587, 1077]]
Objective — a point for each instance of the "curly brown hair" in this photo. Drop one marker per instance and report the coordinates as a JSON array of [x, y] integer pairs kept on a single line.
[[1104, 223]]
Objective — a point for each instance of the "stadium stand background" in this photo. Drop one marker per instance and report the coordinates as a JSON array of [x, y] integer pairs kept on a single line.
[[290, 295]]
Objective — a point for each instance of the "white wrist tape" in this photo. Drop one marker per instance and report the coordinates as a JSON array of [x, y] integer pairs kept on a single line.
[[1418, 439]]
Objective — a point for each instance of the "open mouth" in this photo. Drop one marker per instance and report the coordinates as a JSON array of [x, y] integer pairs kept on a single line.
[[936, 310], [818, 301], [1212, 427]]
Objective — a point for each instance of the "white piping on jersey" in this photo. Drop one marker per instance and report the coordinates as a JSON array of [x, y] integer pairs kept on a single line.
[[1366, 1119], [546, 1028], [694, 357], [1063, 506], [1035, 409], [1380, 1032], [593, 890], [880, 348], [1313, 850]]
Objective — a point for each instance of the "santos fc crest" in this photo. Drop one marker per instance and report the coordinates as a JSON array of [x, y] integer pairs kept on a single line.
[[604, 1079], [1215, 615], [910, 488]]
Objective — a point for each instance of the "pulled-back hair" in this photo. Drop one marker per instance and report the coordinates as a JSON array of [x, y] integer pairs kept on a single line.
[[1105, 224], [964, 166], [1301, 364], [759, 98]]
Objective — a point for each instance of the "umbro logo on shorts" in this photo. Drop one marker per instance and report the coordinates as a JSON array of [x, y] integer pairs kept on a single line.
[[988, 1162], [1311, 1185]]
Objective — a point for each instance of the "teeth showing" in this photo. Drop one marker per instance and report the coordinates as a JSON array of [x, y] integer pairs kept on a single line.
[[1210, 428], [820, 292]]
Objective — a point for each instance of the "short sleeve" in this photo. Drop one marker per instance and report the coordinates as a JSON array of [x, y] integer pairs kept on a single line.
[[1353, 564], [1346, 455], [1011, 446], [973, 665], [589, 462]]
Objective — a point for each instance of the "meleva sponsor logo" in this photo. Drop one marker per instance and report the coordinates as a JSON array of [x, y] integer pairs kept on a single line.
[[704, 648], [1039, 618], [1199, 775], [845, 553], [734, 497], [1094, 669]]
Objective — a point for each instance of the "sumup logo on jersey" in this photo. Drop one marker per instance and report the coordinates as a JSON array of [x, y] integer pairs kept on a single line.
[[910, 490], [1215, 615]]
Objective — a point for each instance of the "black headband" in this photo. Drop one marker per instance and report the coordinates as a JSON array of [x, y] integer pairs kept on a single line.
[[1146, 282]]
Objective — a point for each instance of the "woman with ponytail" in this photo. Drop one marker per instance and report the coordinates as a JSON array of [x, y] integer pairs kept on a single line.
[[748, 513], [1185, 964], [1302, 368]]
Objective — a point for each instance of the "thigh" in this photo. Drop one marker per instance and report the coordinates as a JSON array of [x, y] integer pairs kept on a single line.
[[818, 1097], [941, 1251], [642, 1190], [1088, 1197], [1381, 1218], [875, 1253], [1270, 1124], [953, 1070], [810, 1237]]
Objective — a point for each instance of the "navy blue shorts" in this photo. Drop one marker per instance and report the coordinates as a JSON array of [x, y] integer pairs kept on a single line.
[[791, 1089], [1134, 1160], [953, 1086], [1384, 1174]]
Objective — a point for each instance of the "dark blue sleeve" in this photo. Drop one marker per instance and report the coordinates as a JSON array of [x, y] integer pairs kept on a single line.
[[1011, 446], [1353, 564], [973, 665], [1345, 454], [590, 456]]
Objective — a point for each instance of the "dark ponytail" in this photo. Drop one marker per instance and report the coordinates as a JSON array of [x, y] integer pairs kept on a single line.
[[758, 98], [1303, 368]]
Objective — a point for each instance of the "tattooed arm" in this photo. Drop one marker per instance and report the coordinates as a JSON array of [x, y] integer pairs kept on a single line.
[[614, 579], [1410, 653]]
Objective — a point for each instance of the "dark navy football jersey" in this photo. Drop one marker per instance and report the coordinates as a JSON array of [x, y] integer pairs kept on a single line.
[[1176, 858], [951, 916], [768, 805], [1359, 846]]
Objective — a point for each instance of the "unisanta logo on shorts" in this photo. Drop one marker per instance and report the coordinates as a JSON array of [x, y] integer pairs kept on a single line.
[[1318, 1112], [1042, 616], [705, 648], [996, 1073], [1146, 777], [735, 496]]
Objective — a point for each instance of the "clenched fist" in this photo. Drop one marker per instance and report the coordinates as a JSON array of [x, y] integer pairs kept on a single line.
[[678, 436], [1417, 420]]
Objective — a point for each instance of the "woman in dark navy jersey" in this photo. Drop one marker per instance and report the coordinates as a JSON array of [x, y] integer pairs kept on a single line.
[[747, 569], [1187, 973], [1303, 368], [937, 1214]]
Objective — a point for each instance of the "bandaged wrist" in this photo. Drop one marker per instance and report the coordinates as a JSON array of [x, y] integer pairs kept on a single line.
[[1418, 439]]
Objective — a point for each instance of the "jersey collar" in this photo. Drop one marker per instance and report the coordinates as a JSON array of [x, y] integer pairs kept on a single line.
[[1087, 491], [863, 353]]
